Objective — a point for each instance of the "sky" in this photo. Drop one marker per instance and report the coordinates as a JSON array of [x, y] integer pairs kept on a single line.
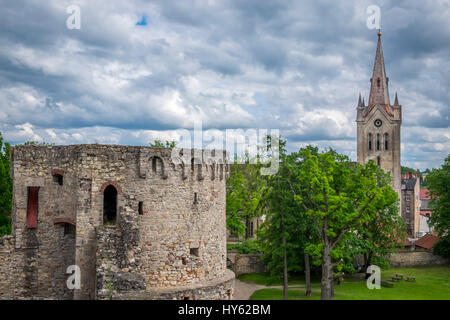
[[136, 71]]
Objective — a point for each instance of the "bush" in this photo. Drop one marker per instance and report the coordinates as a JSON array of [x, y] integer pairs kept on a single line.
[[5, 225], [442, 248], [246, 247]]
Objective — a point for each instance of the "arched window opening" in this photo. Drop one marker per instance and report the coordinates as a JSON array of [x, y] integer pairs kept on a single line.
[[378, 82], [58, 176], [58, 179], [386, 141], [370, 141], [110, 205], [378, 161], [154, 164], [378, 142]]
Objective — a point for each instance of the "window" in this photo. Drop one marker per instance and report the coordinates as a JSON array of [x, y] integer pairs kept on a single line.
[[370, 141], [58, 179], [69, 229], [110, 204], [193, 252], [32, 211], [408, 198], [195, 198], [378, 82], [154, 164], [378, 141], [378, 161], [58, 176], [386, 141], [140, 208]]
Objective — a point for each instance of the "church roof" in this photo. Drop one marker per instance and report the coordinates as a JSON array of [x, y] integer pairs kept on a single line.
[[379, 93]]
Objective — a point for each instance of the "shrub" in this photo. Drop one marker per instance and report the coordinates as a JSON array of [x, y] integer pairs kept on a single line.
[[246, 247]]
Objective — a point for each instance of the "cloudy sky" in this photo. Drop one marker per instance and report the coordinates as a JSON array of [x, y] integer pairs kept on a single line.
[[140, 70]]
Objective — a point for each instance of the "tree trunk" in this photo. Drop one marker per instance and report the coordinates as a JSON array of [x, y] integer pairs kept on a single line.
[[332, 283], [307, 276], [285, 274], [326, 293]]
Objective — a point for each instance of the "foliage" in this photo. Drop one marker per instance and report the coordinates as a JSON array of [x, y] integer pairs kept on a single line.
[[246, 189], [285, 219], [37, 143], [159, 144], [376, 238], [5, 188], [246, 247], [442, 248], [439, 190], [340, 197]]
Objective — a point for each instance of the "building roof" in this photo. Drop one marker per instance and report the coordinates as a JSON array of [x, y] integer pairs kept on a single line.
[[426, 212], [409, 184], [379, 85], [427, 241], [424, 194]]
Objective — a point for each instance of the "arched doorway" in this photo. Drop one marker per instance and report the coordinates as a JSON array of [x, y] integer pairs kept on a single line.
[[110, 205]]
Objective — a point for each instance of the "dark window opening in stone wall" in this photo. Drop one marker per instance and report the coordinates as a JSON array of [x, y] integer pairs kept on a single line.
[[110, 204], [32, 210], [378, 161], [58, 179], [194, 252], [370, 141], [195, 198], [378, 142], [154, 164], [69, 229], [140, 208], [386, 141]]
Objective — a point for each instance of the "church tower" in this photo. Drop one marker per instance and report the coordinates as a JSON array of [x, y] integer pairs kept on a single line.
[[379, 123]]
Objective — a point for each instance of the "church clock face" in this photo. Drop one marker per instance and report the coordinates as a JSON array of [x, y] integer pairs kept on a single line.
[[378, 123]]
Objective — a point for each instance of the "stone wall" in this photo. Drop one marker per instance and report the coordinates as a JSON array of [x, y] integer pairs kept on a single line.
[[416, 258], [248, 263], [12, 282], [170, 226]]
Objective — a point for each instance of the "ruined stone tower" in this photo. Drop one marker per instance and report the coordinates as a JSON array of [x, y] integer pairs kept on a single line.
[[379, 123], [137, 224]]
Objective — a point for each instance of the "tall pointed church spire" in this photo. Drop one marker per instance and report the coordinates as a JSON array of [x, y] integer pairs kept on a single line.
[[359, 100], [379, 82], [396, 100]]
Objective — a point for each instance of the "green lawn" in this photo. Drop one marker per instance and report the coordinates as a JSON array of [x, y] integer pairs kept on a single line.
[[432, 282], [263, 279]]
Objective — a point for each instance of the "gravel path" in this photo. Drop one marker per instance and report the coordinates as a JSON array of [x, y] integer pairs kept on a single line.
[[244, 290]]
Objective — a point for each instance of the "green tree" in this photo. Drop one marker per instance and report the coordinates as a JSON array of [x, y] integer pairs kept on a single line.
[[339, 197], [246, 189], [160, 144], [379, 236], [287, 231], [439, 190], [5, 188]]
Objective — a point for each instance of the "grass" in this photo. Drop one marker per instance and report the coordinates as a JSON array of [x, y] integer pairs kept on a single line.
[[264, 279], [432, 283]]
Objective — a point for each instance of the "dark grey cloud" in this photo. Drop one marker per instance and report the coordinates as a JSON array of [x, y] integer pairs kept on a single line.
[[294, 65]]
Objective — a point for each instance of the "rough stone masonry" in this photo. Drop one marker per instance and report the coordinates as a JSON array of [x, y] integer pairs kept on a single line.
[[138, 225]]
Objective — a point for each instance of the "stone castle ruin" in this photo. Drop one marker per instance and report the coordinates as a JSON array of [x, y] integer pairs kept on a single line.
[[137, 224]]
